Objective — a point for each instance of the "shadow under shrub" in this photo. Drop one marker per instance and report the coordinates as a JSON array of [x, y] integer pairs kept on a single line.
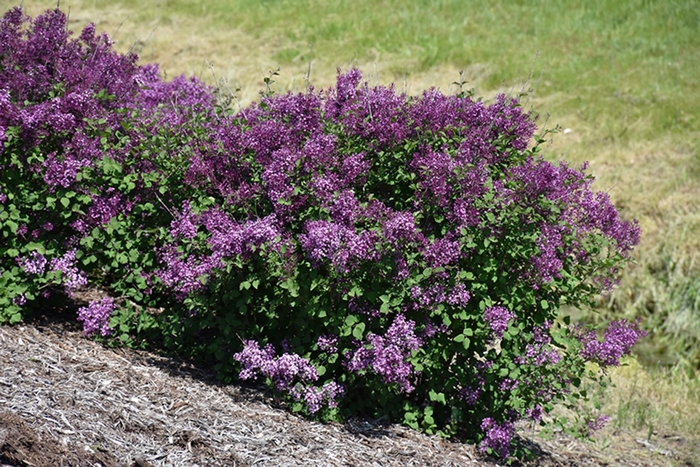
[[359, 250]]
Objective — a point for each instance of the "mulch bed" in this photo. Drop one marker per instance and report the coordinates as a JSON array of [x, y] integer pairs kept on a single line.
[[68, 401]]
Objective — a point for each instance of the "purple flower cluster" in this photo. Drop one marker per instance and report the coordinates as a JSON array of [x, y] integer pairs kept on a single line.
[[580, 213], [386, 355], [316, 398], [469, 394], [340, 245], [72, 277], [188, 273], [539, 352], [328, 343], [20, 300], [498, 318], [597, 424], [497, 437], [534, 413], [283, 370], [289, 373], [35, 264], [95, 316], [617, 342]]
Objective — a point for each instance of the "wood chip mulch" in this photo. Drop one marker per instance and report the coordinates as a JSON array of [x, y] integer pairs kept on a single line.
[[68, 401]]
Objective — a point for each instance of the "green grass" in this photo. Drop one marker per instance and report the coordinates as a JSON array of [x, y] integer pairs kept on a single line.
[[621, 76]]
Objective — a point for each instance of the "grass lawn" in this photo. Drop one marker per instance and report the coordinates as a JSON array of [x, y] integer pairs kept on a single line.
[[621, 79]]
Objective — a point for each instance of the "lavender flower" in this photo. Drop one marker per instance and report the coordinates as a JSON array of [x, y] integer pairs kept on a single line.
[[617, 342], [534, 413], [72, 277], [35, 264], [95, 316], [281, 370], [328, 343], [386, 355], [540, 352], [498, 318], [497, 437], [289, 373], [470, 395], [596, 424], [20, 300]]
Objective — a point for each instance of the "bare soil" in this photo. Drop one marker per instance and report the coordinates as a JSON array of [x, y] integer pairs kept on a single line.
[[69, 401]]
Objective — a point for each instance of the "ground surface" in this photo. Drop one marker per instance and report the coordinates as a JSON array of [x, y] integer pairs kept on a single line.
[[68, 401]]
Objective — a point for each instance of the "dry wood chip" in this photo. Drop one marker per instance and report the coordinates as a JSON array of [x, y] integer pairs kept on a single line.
[[91, 405]]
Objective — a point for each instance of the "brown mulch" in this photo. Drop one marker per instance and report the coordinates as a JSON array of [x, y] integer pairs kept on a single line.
[[68, 401]]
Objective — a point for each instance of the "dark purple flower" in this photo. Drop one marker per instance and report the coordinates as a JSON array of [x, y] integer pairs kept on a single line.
[[72, 277], [35, 264], [617, 342], [386, 355], [534, 413], [597, 424], [328, 343], [20, 300], [95, 316], [289, 373], [498, 317], [497, 437]]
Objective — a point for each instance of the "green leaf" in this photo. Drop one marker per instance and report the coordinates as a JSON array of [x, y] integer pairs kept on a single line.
[[350, 320], [358, 332], [437, 396], [12, 225]]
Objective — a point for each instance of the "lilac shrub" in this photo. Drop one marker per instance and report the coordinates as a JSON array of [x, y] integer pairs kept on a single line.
[[359, 250], [78, 179]]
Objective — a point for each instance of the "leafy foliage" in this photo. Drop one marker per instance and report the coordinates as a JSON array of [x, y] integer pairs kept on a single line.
[[360, 250]]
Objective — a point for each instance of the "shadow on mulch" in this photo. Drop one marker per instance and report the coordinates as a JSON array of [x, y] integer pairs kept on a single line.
[[59, 315], [21, 446]]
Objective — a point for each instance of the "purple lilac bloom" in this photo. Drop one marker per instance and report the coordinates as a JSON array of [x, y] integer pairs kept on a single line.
[[73, 278], [534, 413], [95, 316], [430, 329], [62, 171], [328, 343], [470, 395], [508, 384], [540, 352], [35, 264], [459, 296], [315, 398], [498, 318], [342, 246], [400, 227], [185, 274], [497, 437], [547, 263], [617, 342], [386, 355], [442, 252], [289, 373], [184, 225], [597, 424], [281, 370], [20, 300]]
